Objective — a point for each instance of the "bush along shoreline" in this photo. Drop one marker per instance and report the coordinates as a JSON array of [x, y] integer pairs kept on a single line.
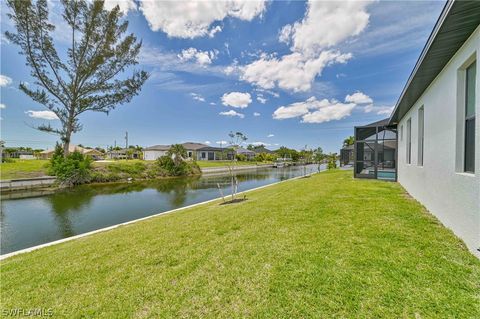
[[76, 169]]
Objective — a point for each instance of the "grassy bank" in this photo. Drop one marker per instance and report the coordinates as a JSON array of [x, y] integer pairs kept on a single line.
[[103, 171], [23, 169], [326, 246]]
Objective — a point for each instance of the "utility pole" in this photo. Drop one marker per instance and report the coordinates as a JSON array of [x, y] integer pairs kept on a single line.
[[126, 140], [115, 143]]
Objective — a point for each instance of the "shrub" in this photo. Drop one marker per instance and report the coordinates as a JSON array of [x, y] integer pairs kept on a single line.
[[74, 169], [7, 160], [241, 157], [332, 162], [265, 157], [179, 168]]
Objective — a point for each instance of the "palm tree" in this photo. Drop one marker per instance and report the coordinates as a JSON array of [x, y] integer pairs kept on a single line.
[[349, 141], [178, 153]]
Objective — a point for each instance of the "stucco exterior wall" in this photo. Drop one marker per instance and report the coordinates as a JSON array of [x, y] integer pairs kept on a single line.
[[440, 184], [153, 155]]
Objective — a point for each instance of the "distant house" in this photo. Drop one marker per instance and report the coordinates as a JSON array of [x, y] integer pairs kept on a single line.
[[153, 152], [21, 154], [197, 151], [124, 154], [250, 155], [261, 149], [93, 153]]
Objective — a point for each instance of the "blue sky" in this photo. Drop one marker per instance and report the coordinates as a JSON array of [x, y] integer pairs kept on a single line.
[[284, 73]]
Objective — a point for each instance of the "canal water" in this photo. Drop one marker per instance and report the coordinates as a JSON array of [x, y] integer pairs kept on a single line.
[[31, 221]]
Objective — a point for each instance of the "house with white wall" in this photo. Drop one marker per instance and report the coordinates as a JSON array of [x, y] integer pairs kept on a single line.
[[197, 151], [151, 153], [437, 119]]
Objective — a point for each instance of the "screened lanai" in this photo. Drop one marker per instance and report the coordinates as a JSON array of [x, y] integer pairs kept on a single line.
[[376, 151]]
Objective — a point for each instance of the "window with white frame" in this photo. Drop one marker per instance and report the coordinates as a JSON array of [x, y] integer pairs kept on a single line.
[[469, 153], [421, 133], [409, 141]]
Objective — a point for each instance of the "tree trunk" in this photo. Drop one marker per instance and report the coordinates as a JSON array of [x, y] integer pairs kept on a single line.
[[68, 131], [66, 143], [66, 139]]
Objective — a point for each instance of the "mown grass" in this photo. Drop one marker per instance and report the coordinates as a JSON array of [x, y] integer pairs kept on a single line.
[[23, 169], [327, 246]]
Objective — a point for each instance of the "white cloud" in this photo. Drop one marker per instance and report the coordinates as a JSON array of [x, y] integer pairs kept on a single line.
[[256, 114], [260, 144], [319, 111], [381, 110], [201, 57], [207, 142], [359, 98], [261, 99], [293, 72], [315, 111], [236, 99], [366, 101], [5, 80], [270, 135], [163, 60], [2, 106], [386, 110], [213, 103], [197, 97], [191, 19], [45, 115], [232, 113], [230, 69], [124, 5], [214, 30], [285, 34], [221, 143], [274, 94], [326, 23]]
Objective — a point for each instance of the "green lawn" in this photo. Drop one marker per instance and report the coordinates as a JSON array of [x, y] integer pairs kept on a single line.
[[327, 246], [205, 164], [23, 169]]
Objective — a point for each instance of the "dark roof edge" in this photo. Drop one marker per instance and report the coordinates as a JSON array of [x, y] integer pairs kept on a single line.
[[446, 9]]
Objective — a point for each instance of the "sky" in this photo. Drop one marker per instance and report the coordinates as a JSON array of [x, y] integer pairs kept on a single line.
[[284, 73]]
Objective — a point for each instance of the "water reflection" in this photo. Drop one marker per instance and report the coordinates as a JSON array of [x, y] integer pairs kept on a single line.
[[26, 222]]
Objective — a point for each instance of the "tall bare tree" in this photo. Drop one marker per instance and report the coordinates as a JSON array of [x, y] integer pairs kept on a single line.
[[89, 75]]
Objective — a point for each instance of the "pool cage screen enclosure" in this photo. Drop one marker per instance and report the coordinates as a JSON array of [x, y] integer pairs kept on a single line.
[[376, 151]]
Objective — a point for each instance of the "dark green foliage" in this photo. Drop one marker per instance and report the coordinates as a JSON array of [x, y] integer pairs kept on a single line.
[[177, 153], [285, 152], [265, 157], [177, 168], [90, 78], [74, 169], [241, 157], [349, 141], [7, 160]]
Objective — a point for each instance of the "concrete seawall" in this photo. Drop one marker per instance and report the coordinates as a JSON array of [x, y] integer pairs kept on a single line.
[[27, 183], [225, 169]]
